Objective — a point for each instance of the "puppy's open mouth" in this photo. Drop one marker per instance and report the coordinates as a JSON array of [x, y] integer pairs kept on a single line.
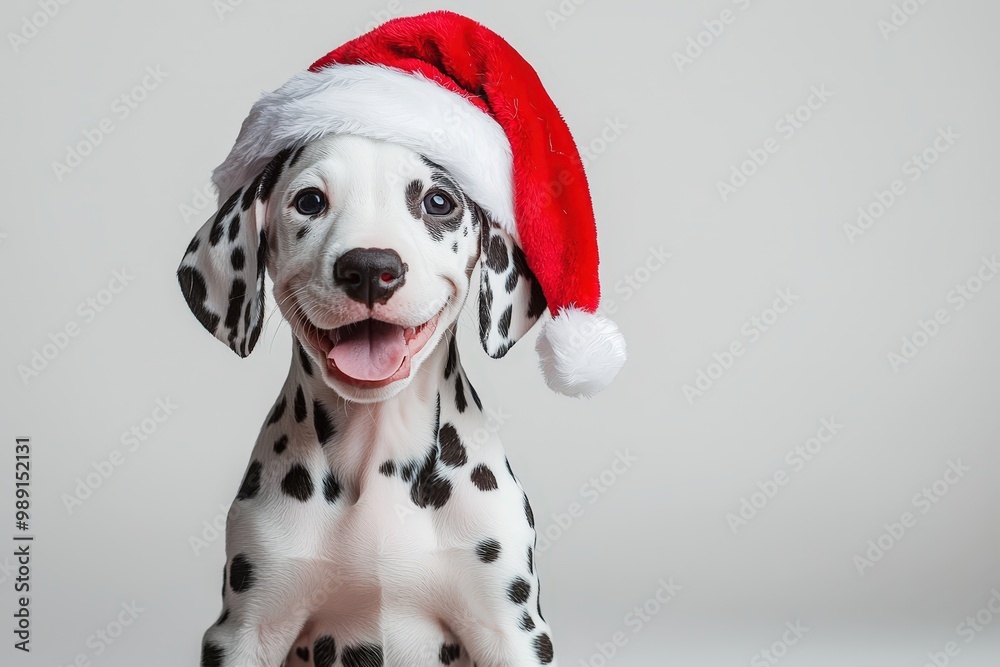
[[370, 353]]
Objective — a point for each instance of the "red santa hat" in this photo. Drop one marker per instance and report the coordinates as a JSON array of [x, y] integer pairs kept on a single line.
[[449, 88]]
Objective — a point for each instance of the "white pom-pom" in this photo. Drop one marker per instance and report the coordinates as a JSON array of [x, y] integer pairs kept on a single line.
[[580, 352]]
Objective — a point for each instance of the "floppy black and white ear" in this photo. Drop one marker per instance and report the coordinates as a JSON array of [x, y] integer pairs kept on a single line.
[[222, 272], [510, 297]]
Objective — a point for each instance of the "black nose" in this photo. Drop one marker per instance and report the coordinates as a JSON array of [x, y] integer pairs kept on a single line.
[[369, 274]]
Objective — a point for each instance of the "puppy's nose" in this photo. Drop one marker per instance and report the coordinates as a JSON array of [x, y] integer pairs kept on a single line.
[[369, 275]]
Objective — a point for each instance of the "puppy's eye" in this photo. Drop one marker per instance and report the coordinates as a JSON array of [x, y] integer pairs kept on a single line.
[[310, 202], [438, 203]]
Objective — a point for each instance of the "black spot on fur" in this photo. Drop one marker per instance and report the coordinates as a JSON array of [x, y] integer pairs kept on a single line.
[[531, 561], [496, 254], [234, 228], [527, 623], [475, 397], [297, 483], [303, 653], [483, 478], [528, 513], [322, 423], [217, 225], [414, 189], [195, 293], [454, 247], [430, 488], [452, 358], [251, 194], [261, 262], [237, 293], [449, 653], [511, 283], [324, 652], [304, 360], [388, 468], [212, 655], [300, 405], [503, 326], [251, 482], [238, 259], [543, 648], [278, 411], [520, 261], [303, 230], [280, 444], [331, 488], [460, 401], [296, 156], [223, 618], [366, 655], [408, 471], [452, 449], [193, 246], [536, 306], [485, 307], [272, 172], [223, 582], [241, 575], [519, 591], [488, 550]]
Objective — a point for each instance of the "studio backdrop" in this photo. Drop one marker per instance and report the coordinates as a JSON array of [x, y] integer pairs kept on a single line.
[[796, 210]]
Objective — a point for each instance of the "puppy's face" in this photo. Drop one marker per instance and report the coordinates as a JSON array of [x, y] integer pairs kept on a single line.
[[371, 248]]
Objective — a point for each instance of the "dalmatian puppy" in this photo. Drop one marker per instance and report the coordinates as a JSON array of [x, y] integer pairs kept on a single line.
[[378, 521]]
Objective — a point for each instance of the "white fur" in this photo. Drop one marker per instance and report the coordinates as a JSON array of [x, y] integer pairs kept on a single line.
[[580, 352], [379, 103]]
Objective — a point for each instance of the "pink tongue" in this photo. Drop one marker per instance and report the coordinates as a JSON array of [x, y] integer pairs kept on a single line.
[[369, 350]]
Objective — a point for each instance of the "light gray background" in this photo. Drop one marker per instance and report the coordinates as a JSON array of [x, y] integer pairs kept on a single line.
[[654, 185]]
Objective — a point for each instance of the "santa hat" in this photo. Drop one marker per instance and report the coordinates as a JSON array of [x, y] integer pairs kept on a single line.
[[454, 91]]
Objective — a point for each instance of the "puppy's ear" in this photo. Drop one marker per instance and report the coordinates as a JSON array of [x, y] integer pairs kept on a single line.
[[222, 272], [510, 298]]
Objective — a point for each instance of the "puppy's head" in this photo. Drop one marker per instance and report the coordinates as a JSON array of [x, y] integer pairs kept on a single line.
[[371, 248]]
